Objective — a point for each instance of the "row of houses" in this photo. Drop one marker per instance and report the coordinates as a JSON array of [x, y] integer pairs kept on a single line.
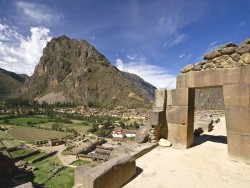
[[119, 132], [138, 114]]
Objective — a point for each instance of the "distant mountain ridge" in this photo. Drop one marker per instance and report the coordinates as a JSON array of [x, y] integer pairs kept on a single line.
[[74, 71], [9, 81]]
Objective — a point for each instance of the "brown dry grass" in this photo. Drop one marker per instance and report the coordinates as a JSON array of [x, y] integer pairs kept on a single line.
[[32, 134]]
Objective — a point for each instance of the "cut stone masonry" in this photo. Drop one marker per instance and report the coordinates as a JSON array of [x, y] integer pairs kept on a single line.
[[173, 111]]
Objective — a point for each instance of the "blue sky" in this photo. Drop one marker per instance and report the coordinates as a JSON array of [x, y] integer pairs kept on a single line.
[[151, 38]]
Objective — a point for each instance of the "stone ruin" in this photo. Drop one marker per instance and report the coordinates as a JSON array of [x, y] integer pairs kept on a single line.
[[173, 111]]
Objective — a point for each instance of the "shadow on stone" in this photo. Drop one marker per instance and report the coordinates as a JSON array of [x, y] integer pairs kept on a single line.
[[138, 172], [204, 138]]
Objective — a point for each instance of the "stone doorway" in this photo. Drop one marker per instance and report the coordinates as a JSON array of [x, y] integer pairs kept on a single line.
[[209, 116], [173, 112]]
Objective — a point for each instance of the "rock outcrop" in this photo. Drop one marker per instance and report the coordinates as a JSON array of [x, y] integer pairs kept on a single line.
[[73, 71], [226, 56]]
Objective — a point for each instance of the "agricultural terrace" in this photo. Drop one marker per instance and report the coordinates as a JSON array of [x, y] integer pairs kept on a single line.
[[47, 123], [8, 140], [33, 134]]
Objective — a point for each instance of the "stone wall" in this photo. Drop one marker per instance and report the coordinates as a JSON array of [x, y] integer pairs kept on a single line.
[[111, 174], [226, 56], [227, 67]]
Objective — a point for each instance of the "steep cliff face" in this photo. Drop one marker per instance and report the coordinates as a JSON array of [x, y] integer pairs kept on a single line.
[[74, 71]]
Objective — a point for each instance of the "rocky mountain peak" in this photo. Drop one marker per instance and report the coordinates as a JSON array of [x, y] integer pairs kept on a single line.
[[72, 70]]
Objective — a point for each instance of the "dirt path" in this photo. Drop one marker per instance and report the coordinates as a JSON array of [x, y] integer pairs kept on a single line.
[[205, 165]]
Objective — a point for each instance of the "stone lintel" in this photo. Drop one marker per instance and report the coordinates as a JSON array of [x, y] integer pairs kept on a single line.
[[214, 77]]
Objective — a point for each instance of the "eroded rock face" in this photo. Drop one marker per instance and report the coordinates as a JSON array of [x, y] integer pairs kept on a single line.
[[74, 71], [226, 56]]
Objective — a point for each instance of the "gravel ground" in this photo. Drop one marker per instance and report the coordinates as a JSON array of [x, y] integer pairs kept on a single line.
[[205, 165]]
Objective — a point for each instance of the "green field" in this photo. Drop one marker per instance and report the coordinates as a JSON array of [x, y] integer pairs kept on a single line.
[[34, 134], [64, 180], [22, 152], [8, 140], [25, 120], [45, 123]]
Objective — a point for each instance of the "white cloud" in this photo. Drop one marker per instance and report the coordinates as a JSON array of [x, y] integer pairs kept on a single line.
[[213, 43], [241, 24], [155, 75], [38, 13], [175, 40], [185, 56], [21, 54], [131, 57], [182, 55]]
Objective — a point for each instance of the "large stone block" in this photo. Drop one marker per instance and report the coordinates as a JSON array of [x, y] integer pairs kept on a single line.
[[238, 119], [177, 135], [245, 74], [170, 97], [180, 97], [157, 117], [181, 81], [237, 95], [160, 99], [232, 76], [208, 78], [198, 79], [239, 146], [111, 174], [179, 115]]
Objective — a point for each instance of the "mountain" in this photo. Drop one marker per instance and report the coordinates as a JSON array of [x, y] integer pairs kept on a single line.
[[9, 81], [74, 71], [25, 76], [209, 99]]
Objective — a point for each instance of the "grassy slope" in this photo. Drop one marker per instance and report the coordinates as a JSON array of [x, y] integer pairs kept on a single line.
[[9, 81]]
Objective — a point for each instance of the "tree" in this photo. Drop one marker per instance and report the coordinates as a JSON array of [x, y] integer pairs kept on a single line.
[[55, 126]]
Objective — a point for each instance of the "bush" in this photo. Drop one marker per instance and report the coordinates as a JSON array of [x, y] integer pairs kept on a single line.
[[6, 121], [102, 132]]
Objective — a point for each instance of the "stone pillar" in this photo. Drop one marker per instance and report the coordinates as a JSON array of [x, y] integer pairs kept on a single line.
[[158, 124], [237, 111], [180, 117]]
